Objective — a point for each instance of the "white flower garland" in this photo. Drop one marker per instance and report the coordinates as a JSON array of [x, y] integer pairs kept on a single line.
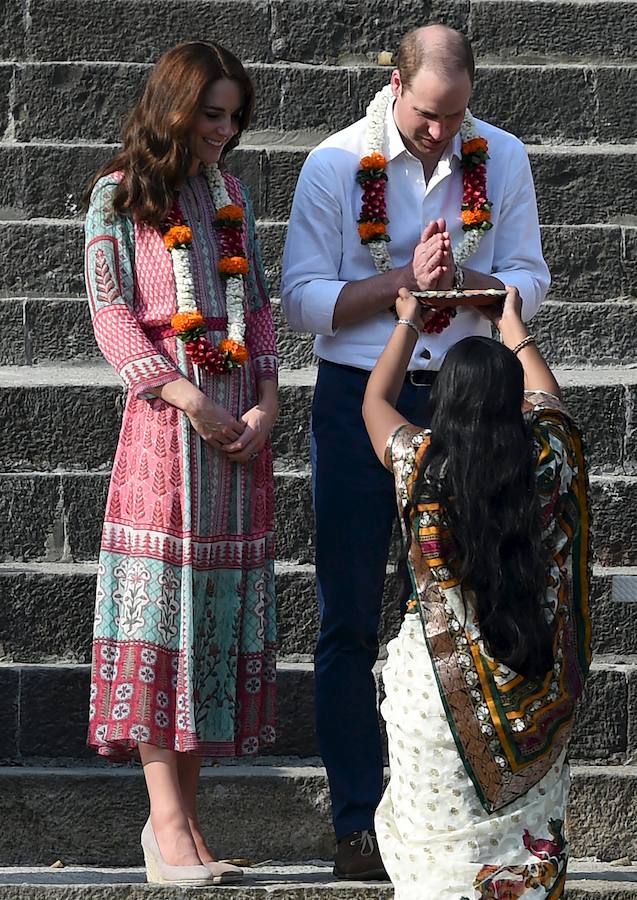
[[235, 284], [376, 119], [182, 268]]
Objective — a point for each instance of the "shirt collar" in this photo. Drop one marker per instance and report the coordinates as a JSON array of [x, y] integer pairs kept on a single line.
[[395, 146]]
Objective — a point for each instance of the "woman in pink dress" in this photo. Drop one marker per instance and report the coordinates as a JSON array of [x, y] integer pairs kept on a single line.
[[185, 630]]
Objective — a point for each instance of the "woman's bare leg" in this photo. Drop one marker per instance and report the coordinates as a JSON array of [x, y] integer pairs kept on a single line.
[[167, 807], [188, 768]]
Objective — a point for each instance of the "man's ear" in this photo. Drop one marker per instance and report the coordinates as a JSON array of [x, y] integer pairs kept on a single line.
[[396, 83]]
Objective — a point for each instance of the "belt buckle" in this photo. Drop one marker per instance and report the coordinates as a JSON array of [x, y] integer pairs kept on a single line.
[[411, 374]]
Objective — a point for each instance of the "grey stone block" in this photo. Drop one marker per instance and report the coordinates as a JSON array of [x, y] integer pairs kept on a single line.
[[632, 719], [601, 414], [575, 187], [508, 97], [270, 94], [46, 615], [9, 710], [296, 350], [586, 263], [629, 260], [337, 30], [294, 518], [250, 165], [84, 499], [12, 346], [297, 612], [324, 99], [547, 31], [586, 334], [59, 427], [6, 80], [12, 29], [602, 812], [283, 167], [613, 622], [272, 238], [12, 180], [616, 121], [157, 25], [291, 436], [601, 722], [67, 102], [31, 525], [239, 807], [42, 258], [614, 521], [59, 330], [630, 440], [54, 711], [56, 178], [55, 810]]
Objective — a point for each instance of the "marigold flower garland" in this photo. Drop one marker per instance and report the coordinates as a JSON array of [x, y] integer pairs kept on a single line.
[[188, 322], [372, 176]]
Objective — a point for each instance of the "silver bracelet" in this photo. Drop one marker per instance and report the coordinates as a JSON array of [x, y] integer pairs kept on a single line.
[[410, 324]]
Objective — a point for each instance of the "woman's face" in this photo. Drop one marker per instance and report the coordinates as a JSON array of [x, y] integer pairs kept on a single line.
[[216, 122]]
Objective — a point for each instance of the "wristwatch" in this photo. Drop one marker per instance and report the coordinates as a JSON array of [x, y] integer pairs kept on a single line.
[[458, 278]]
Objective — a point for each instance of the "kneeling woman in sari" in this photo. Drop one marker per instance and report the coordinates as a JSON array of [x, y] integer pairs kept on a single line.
[[482, 680]]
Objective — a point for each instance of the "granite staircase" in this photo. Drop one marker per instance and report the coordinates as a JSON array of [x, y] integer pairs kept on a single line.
[[558, 73]]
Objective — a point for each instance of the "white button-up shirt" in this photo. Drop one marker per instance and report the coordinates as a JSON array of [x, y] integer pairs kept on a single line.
[[323, 250]]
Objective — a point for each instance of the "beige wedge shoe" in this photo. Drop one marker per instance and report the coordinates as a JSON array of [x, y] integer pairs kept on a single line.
[[224, 873], [159, 872]]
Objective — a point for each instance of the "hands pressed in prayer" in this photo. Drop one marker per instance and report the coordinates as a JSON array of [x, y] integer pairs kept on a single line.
[[432, 263]]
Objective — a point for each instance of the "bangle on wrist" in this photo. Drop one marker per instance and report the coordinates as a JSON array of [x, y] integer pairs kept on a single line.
[[410, 324], [527, 340]]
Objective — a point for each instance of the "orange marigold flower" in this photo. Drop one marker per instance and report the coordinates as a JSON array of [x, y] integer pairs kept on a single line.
[[178, 235], [474, 145], [369, 230], [230, 213], [374, 161], [475, 216], [183, 322], [233, 265], [237, 351]]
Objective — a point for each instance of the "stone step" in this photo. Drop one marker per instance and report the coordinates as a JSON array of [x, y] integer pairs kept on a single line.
[[574, 182], [58, 516], [46, 611], [58, 397], [274, 881], [259, 812], [44, 258], [36, 698], [68, 101], [330, 31], [38, 330]]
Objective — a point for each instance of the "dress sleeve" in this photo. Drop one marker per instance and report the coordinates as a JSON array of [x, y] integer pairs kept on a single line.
[[260, 331], [403, 452], [558, 464], [109, 272]]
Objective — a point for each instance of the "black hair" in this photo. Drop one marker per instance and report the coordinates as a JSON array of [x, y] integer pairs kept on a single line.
[[480, 466]]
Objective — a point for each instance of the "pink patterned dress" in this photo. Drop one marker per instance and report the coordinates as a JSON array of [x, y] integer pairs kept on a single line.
[[184, 649]]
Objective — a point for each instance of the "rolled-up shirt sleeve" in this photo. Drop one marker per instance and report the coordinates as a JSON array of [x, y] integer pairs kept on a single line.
[[517, 258], [313, 253]]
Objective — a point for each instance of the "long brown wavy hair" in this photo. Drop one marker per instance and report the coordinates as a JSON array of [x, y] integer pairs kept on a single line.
[[156, 156]]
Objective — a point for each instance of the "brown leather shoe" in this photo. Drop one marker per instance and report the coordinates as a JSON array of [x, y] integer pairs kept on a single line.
[[358, 858]]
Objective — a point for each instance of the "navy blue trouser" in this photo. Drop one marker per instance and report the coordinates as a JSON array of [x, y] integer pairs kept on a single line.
[[355, 506]]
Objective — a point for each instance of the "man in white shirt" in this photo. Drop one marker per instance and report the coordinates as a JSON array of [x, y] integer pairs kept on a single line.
[[333, 287]]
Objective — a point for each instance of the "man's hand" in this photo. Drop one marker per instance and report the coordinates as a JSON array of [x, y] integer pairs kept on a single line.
[[432, 263]]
